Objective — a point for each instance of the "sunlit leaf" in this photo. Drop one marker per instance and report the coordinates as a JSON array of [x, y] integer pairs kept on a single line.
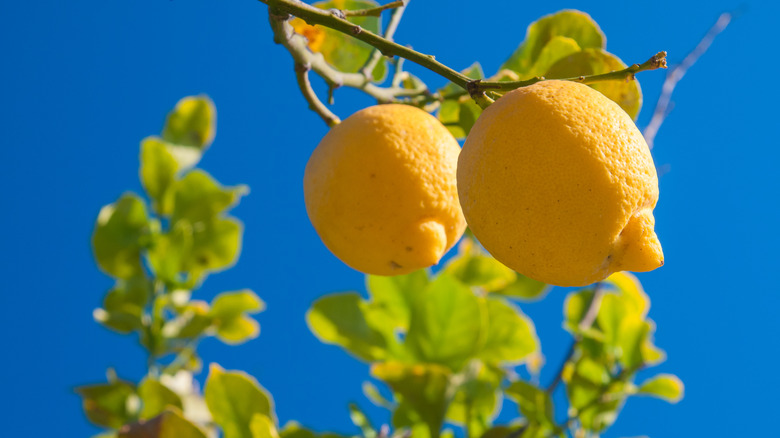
[[586, 381], [421, 390], [477, 399], [343, 51], [447, 323], [360, 419], [192, 320], [155, 398], [372, 393], [625, 93], [123, 306], [458, 112], [200, 198], [295, 430], [106, 404], [116, 241], [575, 307], [394, 294], [524, 288], [511, 336], [340, 319], [191, 123], [630, 288], [480, 270], [601, 412], [666, 386], [234, 398], [557, 48], [575, 25], [262, 426], [535, 404], [158, 173], [169, 424]]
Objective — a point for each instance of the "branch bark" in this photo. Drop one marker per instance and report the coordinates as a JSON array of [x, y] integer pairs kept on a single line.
[[662, 107]]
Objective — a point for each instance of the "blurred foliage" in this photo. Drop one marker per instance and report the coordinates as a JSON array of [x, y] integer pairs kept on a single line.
[[447, 346]]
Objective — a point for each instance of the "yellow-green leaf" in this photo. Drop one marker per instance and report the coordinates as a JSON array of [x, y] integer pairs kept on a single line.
[[234, 398], [169, 424], [191, 123], [593, 61], [341, 319], [510, 337], [116, 241], [666, 386], [155, 398], [158, 173], [575, 25]]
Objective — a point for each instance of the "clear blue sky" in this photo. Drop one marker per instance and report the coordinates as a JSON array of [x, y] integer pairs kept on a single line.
[[83, 82]]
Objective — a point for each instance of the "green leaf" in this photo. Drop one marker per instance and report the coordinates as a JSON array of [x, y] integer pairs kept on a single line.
[[234, 398], [192, 320], [511, 336], [574, 309], [232, 304], [343, 51], [158, 173], [447, 323], [170, 250], [631, 290], [123, 306], [169, 424], [534, 403], [575, 25], [665, 386], [360, 419], [421, 390], [596, 61], [524, 288], [191, 123], [340, 319], [477, 399], [229, 315], [372, 393], [394, 295], [587, 381], [200, 198], [599, 416], [557, 48], [116, 241], [106, 404], [294, 430], [263, 427], [459, 113], [480, 270], [216, 246], [155, 398]]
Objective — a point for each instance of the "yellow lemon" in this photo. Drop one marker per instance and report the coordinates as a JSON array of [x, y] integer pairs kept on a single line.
[[380, 190], [558, 184]]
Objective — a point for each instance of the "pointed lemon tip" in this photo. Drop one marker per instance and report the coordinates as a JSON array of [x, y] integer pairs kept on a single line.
[[637, 248]]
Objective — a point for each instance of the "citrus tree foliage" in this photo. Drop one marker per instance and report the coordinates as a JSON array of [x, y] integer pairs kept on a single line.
[[449, 346]]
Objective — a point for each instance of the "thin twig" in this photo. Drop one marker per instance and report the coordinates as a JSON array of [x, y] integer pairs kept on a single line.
[[315, 104], [674, 76], [655, 62], [296, 44], [313, 15], [374, 12], [586, 323], [392, 25]]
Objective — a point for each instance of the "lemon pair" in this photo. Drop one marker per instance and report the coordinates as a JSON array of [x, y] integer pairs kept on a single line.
[[554, 179]]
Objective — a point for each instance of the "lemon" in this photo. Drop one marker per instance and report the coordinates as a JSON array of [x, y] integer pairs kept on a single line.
[[380, 190], [557, 183]]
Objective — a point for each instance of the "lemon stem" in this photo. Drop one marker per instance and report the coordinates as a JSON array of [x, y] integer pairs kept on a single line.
[[315, 104]]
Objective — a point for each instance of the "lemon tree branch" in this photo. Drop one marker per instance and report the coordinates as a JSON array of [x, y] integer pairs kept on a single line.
[[297, 46], [375, 12], [302, 76], [655, 62], [376, 55], [662, 107], [334, 19]]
